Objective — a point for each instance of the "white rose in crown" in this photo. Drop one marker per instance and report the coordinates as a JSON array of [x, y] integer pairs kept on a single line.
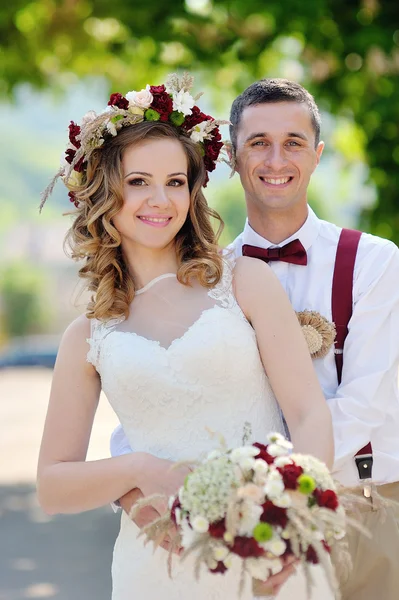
[[142, 99]]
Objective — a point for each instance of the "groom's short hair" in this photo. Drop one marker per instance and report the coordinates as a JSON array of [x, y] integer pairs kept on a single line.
[[270, 91]]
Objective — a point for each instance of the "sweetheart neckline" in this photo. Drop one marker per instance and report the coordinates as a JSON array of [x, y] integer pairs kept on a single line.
[[176, 340], [188, 331]]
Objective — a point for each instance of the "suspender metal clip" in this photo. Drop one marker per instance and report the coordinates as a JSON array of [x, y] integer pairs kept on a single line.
[[364, 463]]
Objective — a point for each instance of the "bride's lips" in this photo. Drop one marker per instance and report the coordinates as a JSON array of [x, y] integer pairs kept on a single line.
[[153, 221], [276, 183]]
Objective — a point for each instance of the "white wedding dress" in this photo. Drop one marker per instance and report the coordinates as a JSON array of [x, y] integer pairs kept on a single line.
[[185, 362]]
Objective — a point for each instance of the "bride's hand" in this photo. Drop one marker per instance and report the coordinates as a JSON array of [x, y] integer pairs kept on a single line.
[[160, 476]]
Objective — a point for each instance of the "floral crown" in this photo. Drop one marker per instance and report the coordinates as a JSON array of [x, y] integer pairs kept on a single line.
[[170, 103]]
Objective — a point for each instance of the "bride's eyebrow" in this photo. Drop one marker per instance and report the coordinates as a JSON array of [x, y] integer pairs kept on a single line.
[[150, 174], [138, 173]]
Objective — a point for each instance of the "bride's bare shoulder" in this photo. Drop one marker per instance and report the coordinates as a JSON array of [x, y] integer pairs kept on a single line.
[[255, 284], [252, 271], [76, 335], [80, 327]]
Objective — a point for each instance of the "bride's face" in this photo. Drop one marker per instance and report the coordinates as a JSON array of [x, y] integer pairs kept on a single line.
[[156, 194]]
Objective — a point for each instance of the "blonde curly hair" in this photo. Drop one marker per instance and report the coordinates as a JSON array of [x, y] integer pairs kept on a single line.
[[93, 238]]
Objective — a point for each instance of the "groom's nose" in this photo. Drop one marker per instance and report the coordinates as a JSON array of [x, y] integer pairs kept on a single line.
[[275, 157]]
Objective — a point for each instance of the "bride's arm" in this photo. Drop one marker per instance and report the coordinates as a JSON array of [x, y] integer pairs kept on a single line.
[[286, 358], [66, 483]]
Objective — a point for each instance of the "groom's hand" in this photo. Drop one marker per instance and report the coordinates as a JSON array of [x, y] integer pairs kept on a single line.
[[145, 515], [273, 585]]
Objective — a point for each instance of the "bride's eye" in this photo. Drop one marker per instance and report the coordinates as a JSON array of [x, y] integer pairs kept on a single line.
[[176, 182], [137, 181]]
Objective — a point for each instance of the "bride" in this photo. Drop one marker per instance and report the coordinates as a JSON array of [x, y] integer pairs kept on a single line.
[[179, 337]]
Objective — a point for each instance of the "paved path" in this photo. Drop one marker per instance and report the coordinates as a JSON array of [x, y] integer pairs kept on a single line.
[[62, 557]]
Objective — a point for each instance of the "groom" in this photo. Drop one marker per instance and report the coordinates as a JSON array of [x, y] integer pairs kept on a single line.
[[347, 278]]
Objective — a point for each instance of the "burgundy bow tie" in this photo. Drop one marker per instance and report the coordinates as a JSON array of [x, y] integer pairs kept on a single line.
[[293, 252]]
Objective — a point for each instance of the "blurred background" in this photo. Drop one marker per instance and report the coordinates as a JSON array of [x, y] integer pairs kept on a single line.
[[61, 58]]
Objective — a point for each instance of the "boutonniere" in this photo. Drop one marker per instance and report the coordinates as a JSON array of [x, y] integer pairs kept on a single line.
[[318, 331]]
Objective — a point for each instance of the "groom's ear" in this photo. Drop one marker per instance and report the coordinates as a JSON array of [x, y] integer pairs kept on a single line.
[[231, 155], [229, 149]]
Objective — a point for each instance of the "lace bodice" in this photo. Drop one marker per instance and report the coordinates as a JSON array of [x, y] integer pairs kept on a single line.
[[185, 361]]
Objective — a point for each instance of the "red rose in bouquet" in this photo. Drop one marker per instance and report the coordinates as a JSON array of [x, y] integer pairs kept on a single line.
[[326, 498], [275, 515], [263, 454], [290, 474]]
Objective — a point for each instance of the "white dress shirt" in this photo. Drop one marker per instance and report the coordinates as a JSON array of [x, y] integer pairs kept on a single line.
[[365, 406]]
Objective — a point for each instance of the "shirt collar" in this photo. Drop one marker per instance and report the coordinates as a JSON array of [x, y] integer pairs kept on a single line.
[[307, 234]]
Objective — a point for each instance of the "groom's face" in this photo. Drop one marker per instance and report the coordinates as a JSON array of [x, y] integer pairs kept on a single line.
[[276, 155]]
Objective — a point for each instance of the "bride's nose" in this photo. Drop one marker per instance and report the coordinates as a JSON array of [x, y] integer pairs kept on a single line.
[[159, 197]]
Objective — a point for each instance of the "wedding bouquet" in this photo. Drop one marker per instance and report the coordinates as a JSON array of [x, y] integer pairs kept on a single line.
[[259, 504]]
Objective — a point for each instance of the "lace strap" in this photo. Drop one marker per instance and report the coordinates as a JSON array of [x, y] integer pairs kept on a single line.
[[98, 331], [223, 292]]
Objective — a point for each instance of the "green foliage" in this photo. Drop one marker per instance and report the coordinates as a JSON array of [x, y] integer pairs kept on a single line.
[[21, 288], [345, 51]]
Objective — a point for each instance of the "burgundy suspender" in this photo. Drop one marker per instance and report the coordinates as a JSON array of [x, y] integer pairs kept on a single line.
[[341, 303]]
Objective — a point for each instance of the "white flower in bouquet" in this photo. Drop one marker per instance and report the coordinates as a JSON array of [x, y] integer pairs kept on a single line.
[[260, 471], [238, 454], [277, 450], [262, 568], [258, 568], [282, 461], [261, 466], [278, 438], [276, 546], [208, 489], [246, 464], [274, 486], [199, 524], [188, 535], [252, 492], [250, 516], [220, 552], [283, 501]]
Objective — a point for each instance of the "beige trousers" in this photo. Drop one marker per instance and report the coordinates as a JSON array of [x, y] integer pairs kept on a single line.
[[375, 574]]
